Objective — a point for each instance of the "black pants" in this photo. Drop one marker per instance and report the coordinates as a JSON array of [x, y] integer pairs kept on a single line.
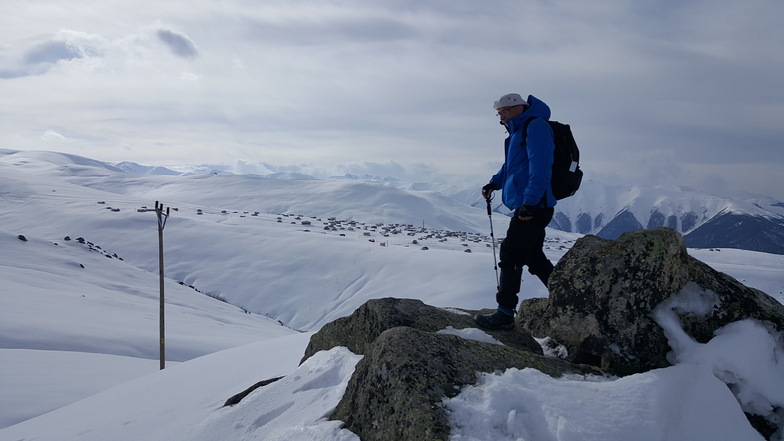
[[523, 246]]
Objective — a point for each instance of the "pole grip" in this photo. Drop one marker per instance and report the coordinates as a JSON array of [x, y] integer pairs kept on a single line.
[[489, 209]]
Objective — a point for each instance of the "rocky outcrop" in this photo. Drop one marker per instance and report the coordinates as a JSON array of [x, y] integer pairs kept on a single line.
[[604, 297], [409, 366], [603, 294], [360, 329]]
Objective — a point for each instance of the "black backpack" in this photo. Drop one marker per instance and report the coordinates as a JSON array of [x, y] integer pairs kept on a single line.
[[567, 175]]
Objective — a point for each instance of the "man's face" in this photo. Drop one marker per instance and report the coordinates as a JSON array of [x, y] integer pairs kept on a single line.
[[505, 113]]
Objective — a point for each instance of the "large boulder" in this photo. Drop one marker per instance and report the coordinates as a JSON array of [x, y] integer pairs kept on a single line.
[[409, 366], [603, 295], [363, 326]]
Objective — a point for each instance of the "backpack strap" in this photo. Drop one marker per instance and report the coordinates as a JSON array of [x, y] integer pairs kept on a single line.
[[525, 129], [543, 200]]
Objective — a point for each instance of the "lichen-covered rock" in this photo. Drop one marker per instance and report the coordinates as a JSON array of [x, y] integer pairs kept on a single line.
[[409, 366], [603, 294], [362, 327], [398, 387], [735, 302]]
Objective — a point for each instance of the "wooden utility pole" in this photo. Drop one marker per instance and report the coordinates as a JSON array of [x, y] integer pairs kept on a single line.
[[161, 224]]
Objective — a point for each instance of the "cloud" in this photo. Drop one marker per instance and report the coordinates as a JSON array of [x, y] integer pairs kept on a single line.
[[177, 43], [53, 135], [245, 168], [63, 47], [369, 168], [323, 24], [652, 92], [51, 52], [344, 30]]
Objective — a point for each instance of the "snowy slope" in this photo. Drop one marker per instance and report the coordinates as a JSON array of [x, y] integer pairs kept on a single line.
[[681, 403], [591, 210], [279, 263], [79, 318], [741, 221]]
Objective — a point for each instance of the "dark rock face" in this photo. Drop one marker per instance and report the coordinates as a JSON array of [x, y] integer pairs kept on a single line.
[[408, 368], [561, 222], [583, 223], [622, 222], [730, 230], [688, 221], [656, 220], [603, 294]]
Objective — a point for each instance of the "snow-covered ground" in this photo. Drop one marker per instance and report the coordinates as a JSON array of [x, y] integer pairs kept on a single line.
[[79, 321]]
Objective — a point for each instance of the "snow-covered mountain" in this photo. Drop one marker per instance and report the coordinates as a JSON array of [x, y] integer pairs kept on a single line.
[[132, 167], [752, 222], [50, 196], [253, 262], [749, 222]]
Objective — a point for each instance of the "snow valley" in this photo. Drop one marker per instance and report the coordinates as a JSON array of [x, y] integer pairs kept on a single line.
[[254, 265]]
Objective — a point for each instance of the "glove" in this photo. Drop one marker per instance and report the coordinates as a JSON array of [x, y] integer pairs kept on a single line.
[[488, 189], [526, 211]]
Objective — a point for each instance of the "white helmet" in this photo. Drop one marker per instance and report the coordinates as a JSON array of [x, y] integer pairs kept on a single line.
[[509, 100]]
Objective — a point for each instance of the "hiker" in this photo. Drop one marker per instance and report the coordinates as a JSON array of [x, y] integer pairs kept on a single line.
[[524, 180]]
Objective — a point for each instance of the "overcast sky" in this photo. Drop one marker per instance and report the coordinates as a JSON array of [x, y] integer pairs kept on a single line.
[[658, 92]]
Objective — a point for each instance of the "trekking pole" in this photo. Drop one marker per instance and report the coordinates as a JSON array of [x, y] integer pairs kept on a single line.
[[492, 238]]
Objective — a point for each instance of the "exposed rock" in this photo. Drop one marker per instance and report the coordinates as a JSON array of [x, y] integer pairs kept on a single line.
[[408, 367], [398, 387], [603, 297], [235, 399], [360, 329], [603, 293]]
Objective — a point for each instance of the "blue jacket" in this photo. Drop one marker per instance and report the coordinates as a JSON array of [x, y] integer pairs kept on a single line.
[[525, 176]]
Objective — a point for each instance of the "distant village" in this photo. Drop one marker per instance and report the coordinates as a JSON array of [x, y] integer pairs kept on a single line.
[[384, 234], [421, 235]]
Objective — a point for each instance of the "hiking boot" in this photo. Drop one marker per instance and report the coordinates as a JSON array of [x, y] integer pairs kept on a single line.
[[496, 321]]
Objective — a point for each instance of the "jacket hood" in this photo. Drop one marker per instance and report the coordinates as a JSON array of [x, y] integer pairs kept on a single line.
[[536, 108]]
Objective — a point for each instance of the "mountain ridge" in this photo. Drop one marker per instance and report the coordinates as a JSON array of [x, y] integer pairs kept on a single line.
[[600, 209], [608, 211]]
